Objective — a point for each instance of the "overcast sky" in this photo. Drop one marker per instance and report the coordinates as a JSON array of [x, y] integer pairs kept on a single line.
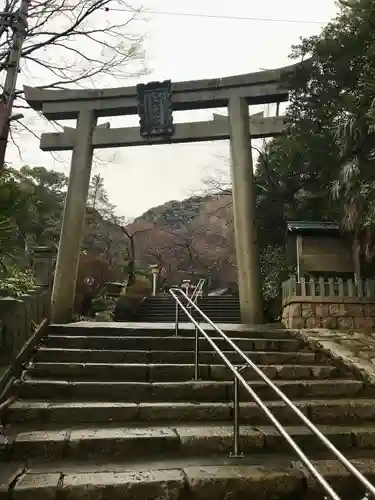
[[187, 48]]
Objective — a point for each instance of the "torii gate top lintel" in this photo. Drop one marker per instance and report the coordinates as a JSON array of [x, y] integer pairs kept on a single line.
[[258, 88]]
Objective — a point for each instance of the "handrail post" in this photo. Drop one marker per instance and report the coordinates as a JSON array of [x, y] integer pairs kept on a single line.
[[196, 355], [176, 326], [236, 419]]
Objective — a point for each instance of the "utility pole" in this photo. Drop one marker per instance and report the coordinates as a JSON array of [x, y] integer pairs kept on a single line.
[[17, 21]]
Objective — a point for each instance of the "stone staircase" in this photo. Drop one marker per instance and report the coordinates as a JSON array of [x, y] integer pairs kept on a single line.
[[220, 309], [106, 412]]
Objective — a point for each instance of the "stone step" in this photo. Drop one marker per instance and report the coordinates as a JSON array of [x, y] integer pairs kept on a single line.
[[176, 372], [170, 312], [191, 391], [205, 301], [205, 308], [167, 330], [168, 343], [125, 443], [165, 316], [201, 303], [201, 300], [212, 298], [262, 480], [222, 307], [218, 316], [324, 411], [183, 357], [190, 483]]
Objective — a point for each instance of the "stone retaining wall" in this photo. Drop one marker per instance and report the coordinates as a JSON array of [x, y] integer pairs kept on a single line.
[[330, 313], [352, 350], [18, 320]]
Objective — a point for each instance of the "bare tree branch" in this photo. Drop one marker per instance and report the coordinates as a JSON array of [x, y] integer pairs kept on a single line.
[[75, 43], [78, 40], [15, 143]]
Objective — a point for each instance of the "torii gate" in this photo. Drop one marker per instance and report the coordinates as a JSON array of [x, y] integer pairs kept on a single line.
[[155, 103]]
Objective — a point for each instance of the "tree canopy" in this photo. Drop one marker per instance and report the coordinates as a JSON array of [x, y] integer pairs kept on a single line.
[[31, 207], [323, 167]]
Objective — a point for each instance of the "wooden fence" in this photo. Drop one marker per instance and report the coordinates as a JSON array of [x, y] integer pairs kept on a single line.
[[328, 288]]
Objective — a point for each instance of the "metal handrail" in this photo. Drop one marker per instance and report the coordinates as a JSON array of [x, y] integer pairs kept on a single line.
[[197, 291], [239, 378]]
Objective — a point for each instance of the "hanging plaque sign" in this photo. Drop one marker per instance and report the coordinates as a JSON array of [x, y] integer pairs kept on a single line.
[[155, 109]]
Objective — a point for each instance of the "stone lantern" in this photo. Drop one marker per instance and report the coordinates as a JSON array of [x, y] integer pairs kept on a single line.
[[186, 284], [44, 257], [155, 269]]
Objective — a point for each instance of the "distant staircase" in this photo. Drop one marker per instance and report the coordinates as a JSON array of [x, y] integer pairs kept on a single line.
[[220, 309]]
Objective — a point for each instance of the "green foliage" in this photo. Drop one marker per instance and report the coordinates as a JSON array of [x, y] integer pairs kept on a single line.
[[103, 303], [335, 98], [13, 209], [323, 168], [98, 198], [175, 213], [8, 238], [16, 283], [126, 306], [31, 203], [104, 316], [31, 206], [46, 194], [274, 270], [141, 287]]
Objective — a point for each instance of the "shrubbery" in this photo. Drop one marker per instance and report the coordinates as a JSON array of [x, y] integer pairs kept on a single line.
[[15, 283]]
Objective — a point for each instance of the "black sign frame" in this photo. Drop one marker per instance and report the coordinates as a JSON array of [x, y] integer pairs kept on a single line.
[[155, 109]]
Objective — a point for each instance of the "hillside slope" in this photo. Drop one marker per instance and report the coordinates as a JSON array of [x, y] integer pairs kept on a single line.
[[192, 237]]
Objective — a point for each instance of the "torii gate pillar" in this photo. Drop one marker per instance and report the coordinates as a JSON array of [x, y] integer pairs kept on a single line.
[[64, 285], [245, 221]]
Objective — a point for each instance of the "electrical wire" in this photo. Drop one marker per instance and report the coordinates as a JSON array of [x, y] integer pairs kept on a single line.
[[218, 16]]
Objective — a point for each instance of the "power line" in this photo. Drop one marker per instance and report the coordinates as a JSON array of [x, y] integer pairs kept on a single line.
[[217, 16]]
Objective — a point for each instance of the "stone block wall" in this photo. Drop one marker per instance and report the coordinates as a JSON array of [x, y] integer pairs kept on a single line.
[[343, 314], [18, 320]]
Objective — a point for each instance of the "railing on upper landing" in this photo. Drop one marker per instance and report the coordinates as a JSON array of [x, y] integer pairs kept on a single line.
[[328, 288], [197, 291]]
